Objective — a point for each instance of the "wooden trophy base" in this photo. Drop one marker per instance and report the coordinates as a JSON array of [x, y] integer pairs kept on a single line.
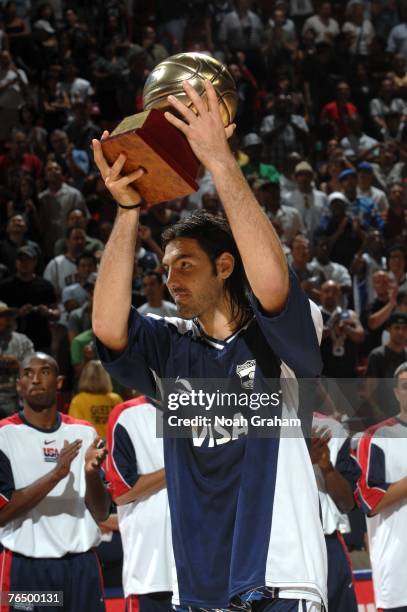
[[150, 141]]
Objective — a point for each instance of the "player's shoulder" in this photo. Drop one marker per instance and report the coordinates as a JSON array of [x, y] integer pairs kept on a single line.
[[383, 429], [133, 405], [69, 421], [11, 421]]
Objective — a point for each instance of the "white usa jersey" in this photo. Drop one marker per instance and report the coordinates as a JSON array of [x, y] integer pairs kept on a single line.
[[382, 452], [144, 524], [61, 522], [339, 447]]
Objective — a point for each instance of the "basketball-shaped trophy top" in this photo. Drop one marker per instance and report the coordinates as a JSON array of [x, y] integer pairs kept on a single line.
[[167, 77]]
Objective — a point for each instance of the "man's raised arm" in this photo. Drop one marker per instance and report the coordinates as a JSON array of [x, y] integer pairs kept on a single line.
[[260, 248], [112, 298]]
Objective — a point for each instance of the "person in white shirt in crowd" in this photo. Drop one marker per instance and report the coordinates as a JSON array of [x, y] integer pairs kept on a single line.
[[381, 453], [62, 270], [322, 265], [241, 29], [365, 187], [397, 39], [384, 103], [287, 181], [325, 28], [287, 218], [368, 260], [358, 30], [309, 202], [337, 473], [77, 88], [55, 202], [136, 475], [361, 145], [13, 91], [153, 288]]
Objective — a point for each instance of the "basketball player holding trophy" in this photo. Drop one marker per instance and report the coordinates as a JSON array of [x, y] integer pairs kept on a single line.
[[246, 532]]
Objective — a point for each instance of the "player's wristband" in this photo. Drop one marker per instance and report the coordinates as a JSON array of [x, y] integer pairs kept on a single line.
[[131, 207]]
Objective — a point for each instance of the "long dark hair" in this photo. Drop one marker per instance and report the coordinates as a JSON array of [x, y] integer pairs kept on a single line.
[[214, 236]]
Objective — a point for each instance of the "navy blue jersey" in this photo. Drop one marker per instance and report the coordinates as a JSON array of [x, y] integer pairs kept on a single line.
[[238, 506]]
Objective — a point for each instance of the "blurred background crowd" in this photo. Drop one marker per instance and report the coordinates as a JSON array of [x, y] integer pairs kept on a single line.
[[321, 137]]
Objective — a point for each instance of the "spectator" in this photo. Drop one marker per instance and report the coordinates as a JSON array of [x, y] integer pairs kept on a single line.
[[379, 311], [397, 40], [395, 225], [76, 88], [395, 126], [25, 203], [280, 43], [325, 28], [74, 162], [16, 232], [76, 294], [367, 261], [363, 209], [157, 218], [383, 362], [55, 203], [106, 71], [241, 29], [342, 334], [366, 189], [358, 30], [33, 296], [80, 319], [36, 134], [388, 169], [62, 270], [77, 217], [397, 264], [361, 145], [287, 179], [13, 91], [82, 351], [385, 102], [344, 234], [95, 399], [81, 129], [322, 266], [309, 202], [252, 145], [130, 89], [286, 217], [153, 288], [14, 348], [54, 102], [283, 132], [338, 112], [18, 161], [155, 53], [300, 256], [399, 75]]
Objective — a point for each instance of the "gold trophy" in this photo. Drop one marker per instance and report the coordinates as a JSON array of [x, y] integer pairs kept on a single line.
[[150, 141]]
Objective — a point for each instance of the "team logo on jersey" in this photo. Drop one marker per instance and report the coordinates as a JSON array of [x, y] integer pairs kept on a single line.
[[50, 454], [246, 372]]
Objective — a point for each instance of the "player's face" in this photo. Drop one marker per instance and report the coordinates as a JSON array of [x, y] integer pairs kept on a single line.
[[191, 280], [38, 383], [401, 390]]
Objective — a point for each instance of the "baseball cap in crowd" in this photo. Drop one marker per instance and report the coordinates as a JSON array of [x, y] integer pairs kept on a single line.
[[303, 167], [28, 251], [91, 280], [365, 167], [399, 318], [346, 173], [7, 311], [251, 140], [337, 195]]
